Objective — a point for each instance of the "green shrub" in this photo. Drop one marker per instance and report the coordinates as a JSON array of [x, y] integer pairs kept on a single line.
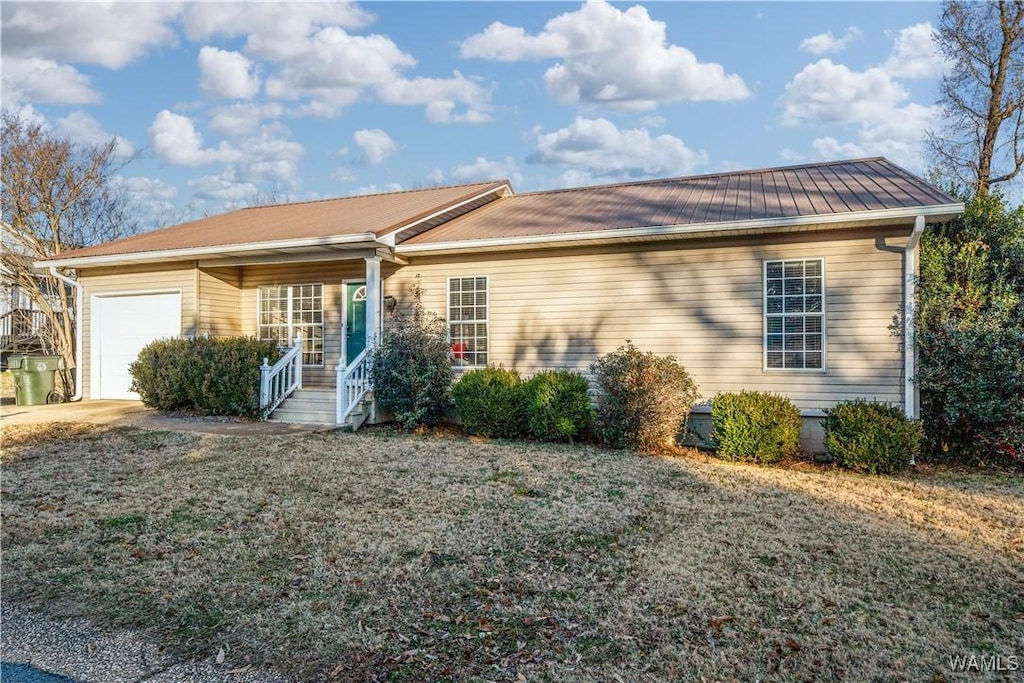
[[871, 437], [217, 376], [643, 399], [412, 371], [755, 426], [490, 402], [557, 405], [972, 393]]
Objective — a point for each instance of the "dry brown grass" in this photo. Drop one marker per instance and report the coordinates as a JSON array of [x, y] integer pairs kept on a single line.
[[378, 556], [6, 387]]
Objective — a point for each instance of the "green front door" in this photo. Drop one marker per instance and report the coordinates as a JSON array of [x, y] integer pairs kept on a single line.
[[355, 320]]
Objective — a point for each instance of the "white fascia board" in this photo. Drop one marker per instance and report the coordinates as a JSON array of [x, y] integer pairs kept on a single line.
[[198, 252], [390, 237], [681, 230]]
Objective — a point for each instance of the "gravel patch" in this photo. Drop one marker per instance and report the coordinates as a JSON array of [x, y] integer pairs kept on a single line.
[[81, 652]]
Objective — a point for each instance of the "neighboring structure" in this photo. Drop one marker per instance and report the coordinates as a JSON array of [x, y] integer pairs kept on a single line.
[[24, 325], [785, 280]]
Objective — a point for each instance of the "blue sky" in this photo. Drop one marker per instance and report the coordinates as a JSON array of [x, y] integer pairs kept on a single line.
[[228, 104]]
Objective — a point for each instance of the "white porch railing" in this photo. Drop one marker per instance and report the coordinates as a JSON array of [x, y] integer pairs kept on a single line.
[[353, 384], [277, 382]]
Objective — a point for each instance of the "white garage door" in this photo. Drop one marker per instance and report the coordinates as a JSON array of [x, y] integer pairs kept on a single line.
[[122, 326]]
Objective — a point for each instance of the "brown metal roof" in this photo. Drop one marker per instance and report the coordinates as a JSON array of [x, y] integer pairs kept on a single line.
[[823, 189], [376, 214], [464, 215]]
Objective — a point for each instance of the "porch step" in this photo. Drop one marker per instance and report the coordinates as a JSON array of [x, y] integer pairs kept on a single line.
[[307, 406]]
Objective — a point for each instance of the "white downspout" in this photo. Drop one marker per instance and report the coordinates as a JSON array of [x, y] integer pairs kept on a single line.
[[79, 334], [910, 407]]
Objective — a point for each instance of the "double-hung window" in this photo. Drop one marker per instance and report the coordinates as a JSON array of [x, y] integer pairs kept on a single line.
[[794, 314], [467, 320], [286, 311]]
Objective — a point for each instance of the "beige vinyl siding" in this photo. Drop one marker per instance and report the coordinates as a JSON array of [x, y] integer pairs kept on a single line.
[[220, 301], [331, 274], [700, 301], [136, 280]]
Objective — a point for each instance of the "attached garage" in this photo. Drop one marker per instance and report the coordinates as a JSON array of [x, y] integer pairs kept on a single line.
[[121, 326]]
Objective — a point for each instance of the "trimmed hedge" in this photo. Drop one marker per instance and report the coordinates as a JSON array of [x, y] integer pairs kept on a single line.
[[755, 426], [557, 405], [490, 402], [871, 437], [217, 376], [643, 399]]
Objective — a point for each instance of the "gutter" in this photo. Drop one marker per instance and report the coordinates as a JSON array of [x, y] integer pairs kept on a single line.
[[910, 403], [79, 327], [194, 252]]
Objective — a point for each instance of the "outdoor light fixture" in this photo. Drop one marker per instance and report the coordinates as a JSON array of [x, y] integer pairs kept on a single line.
[[390, 303]]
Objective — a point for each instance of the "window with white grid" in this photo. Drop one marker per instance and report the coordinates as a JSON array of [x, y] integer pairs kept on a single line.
[[288, 310], [794, 315], [467, 320]]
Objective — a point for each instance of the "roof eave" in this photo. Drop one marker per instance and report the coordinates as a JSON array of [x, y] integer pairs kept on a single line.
[[222, 250], [940, 212]]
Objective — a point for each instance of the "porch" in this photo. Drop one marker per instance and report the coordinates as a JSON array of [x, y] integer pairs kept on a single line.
[[326, 314]]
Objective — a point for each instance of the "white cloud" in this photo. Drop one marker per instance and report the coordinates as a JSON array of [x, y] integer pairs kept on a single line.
[[45, 81], [378, 189], [897, 137], [376, 146], [436, 177], [111, 35], [502, 43], [274, 31], [225, 188], [610, 58], [915, 54], [343, 175], [153, 196], [441, 96], [834, 93], [270, 157], [335, 68], [873, 101], [824, 43], [176, 140], [484, 169], [243, 117], [311, 57], [227, 75], [597, 147], [84, 129]]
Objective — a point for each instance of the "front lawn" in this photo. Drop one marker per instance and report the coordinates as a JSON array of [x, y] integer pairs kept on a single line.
[[379, 556]]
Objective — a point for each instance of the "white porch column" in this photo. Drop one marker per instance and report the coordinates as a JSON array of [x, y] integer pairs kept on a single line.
[[373, 299]]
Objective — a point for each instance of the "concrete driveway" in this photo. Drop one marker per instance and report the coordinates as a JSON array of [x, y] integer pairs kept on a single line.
[[134, 414]]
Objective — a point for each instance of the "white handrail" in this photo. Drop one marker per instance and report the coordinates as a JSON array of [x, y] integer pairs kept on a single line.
[[279, 381], [353, 384]]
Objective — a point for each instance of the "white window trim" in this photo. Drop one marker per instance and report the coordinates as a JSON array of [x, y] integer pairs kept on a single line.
[[323, 326], [824, 318], [486, 320]]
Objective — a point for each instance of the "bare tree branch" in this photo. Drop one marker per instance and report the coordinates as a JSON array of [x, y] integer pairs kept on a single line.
[[982, 96], [56, 197]]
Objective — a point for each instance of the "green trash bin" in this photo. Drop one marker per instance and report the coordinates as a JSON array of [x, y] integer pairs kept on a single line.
[[34, 379]]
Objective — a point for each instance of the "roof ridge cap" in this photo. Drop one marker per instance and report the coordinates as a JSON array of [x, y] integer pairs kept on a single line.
[[374, 194], [717, 174]]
